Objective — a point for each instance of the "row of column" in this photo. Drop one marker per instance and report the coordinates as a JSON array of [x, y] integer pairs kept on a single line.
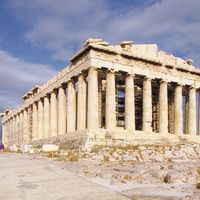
[[56, 113], [147, 106]]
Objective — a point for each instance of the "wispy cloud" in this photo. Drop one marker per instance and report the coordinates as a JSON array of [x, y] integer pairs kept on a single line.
[[17, 77], [61, 26]]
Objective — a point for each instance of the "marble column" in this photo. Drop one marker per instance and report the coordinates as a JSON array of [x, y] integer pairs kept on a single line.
[[192, 129], [163, 108], [54, 114], [35, 122], [178, 118], [129, 103], [14, 130], [17, 129], [40, 119], [4, 133], [147, 106], [81, 112], [62, 112], [71, 107], [11, 131], [25, 127], [46, 116], [92, 114], [110, 101], [21, 127], [199, 112]]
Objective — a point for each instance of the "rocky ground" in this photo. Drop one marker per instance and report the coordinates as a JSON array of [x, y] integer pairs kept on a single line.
[[138, 172]]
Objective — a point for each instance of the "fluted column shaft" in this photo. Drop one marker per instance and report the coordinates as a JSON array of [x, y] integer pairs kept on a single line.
[[110, 100], [129, 103], [199, 112], [54, 114], [21, 128], [192, 112], [163, 108], [10, 132], [147, 106], [62, 113], [14, 130], [4, 134], [71, 107], [35, 122], [17, 129], [46, 117], [25, 127], [178, 118], [92, 120], [81, 113], [40, 119]]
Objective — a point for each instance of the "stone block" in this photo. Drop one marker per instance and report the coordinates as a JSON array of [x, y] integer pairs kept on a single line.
[[13, 148], [50, 148], [25, 148]]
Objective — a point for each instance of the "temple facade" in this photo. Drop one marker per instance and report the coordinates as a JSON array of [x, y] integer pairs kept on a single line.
[[111, 94]]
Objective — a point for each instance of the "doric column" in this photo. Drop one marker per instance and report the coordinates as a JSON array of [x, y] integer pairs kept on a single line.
[[25, 127], [178, 118], [46, 117], [192, 111], [40, 119], [81, 112], [54, 114], [129, 103], [4, 133], [17, 129], [14, 130], [21, 128], [92, 117], [11, 131], [71, 107], [8, 131], [199, 112], [62, 112], [163, 108], [147, 106], [110, 100], [35, 122]]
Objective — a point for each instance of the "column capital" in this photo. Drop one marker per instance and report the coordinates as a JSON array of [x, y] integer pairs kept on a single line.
[[193, 87], [148, 78], [111, 71], [70, 81], [130, 74], [92, 68], [164, 81]]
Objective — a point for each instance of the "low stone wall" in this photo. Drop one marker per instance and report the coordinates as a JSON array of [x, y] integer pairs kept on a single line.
[[85, 139]]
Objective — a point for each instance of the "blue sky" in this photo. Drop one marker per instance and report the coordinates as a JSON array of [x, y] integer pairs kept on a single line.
[[37, 37]]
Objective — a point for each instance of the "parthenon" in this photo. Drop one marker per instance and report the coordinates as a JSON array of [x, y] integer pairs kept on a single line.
[[111, 93]]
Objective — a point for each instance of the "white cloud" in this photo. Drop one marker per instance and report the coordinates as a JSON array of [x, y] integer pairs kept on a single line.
[[62, 26], [17, 77]]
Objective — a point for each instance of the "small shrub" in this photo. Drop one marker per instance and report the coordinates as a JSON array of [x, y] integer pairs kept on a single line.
[[167, 178], [73, 156], [95, 149], [106, 158], [198, 178]]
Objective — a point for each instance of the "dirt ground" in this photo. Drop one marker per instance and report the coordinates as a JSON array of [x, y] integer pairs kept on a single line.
[[26, 177], [158, 173]]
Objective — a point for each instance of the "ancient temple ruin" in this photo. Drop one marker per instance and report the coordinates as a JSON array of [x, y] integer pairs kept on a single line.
[[114, 94]]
